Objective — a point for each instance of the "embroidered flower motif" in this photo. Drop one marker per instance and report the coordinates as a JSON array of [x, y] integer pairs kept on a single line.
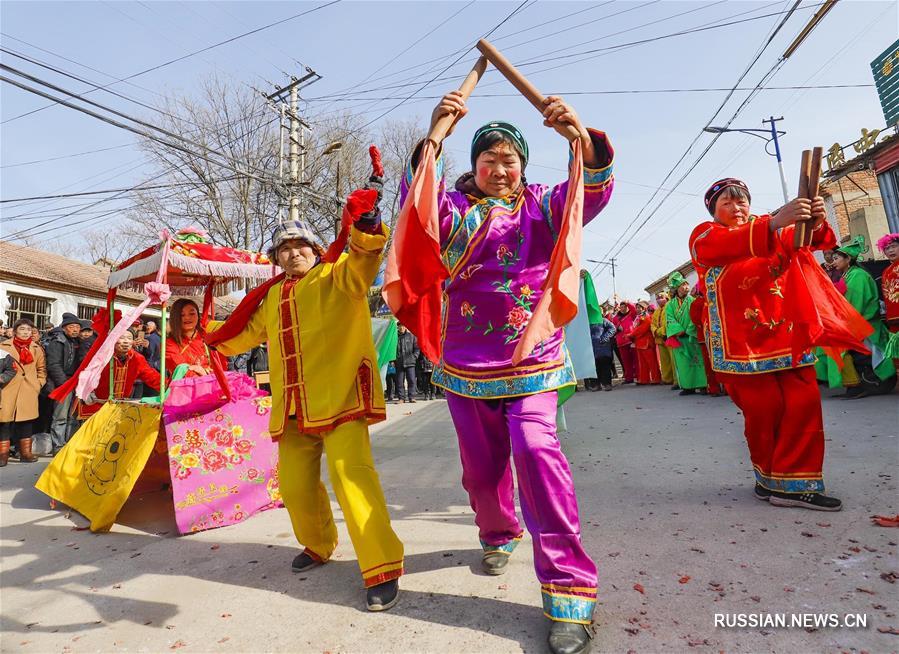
[[213, 432], [174, 451], [224, 438], [525, 291], [749, 314], [470, 270], [252, 473], [467, 309], [243, 446], [182, 473], [214, 461], [517, 318], [190, 460], [503, 252], [237, 430]]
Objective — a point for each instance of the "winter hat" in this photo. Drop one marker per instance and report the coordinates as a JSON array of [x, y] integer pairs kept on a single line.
[[69, 319], [479, 143], [293, 229], [716, 189], [86, 324]]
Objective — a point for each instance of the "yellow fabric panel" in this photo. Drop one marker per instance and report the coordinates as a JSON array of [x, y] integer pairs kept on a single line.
[[95, 472]]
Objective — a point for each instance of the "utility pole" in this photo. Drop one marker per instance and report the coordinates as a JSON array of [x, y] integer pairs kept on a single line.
[[780, 164], [293, 187], [610, 262]]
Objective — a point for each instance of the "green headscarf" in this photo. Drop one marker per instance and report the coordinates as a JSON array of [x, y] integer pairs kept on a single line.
[[855, 247], [675, 280]]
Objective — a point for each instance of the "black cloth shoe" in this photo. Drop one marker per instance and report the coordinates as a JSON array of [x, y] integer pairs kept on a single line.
[[570, 638], [494, 563], [303, 562], [688, 391], [814, 501], [675, 387], [761, 492], [383, 596]]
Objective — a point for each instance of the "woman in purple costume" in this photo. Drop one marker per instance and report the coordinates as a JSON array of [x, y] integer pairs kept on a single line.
[[497, 234]]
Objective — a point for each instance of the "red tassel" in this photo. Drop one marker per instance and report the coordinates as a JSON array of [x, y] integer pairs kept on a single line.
[[377, 169]]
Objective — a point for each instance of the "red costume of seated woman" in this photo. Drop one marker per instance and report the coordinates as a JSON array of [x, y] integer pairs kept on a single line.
[[186, 341]]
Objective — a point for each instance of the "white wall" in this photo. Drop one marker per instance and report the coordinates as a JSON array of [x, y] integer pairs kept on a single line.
[[61, 302]]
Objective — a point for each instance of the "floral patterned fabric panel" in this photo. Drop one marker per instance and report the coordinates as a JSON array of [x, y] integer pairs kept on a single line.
[[224, 465]]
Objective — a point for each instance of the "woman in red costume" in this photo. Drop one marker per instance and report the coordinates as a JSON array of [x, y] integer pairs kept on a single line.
[[648, 371], [186, 342], [742, 262]]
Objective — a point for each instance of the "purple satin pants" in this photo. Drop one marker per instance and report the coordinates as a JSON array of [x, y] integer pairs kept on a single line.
[[489, 431]]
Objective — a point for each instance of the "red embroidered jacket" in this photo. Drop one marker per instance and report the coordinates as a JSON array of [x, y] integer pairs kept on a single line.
[[642, 333], [742, 270], [127, 372]]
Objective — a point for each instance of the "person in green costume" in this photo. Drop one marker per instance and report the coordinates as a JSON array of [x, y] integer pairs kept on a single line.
[[877, 373], [682, 337]]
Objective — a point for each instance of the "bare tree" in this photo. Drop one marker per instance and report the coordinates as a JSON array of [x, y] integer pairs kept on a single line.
[[237, 210]]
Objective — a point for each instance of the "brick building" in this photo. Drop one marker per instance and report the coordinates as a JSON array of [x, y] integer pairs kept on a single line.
[[860, 192]]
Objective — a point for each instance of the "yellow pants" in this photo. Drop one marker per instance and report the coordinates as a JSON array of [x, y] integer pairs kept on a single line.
[[667, 365], [358, 491]]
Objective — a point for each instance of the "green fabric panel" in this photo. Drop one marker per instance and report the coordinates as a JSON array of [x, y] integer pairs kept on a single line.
[[594, 313], [385, 343]]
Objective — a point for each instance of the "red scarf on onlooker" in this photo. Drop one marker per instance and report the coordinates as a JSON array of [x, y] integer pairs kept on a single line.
[[24, 348]]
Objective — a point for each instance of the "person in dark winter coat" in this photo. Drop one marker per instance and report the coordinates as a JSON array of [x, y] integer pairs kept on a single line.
[[407, 353], [427, 369], [153, 347], [62, 361], [258, 360], [602, 335]]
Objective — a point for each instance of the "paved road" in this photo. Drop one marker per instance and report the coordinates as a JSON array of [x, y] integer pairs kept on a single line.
[[665, 494]]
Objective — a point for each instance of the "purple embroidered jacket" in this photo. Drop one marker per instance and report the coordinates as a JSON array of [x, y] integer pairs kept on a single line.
[[497, 251]]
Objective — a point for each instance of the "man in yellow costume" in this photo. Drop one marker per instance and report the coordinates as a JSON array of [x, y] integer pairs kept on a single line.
[[326, 389], [658, 331]]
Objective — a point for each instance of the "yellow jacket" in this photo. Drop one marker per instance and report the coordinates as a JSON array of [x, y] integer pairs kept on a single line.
[[657, 325], [322, 362]]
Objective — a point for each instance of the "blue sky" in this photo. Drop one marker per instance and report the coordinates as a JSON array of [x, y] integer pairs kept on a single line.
[[349, 43]]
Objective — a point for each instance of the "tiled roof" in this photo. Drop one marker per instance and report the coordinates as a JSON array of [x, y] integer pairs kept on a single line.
[[47, 269]]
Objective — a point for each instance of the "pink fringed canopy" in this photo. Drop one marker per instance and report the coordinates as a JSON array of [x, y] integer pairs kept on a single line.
[[192, 265]]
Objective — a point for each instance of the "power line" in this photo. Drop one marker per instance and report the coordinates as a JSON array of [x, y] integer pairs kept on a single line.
[[113, 190], [686, 153], [191, 54], [614, 48], [409, 97], [65, 156], [633, 91], [229, 162], [413, 44]]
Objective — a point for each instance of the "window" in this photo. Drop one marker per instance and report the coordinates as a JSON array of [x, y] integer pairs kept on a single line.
[[889, 191], [36, 309], [87, 311]]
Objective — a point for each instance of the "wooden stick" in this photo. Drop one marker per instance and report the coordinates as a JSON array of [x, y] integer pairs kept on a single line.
[[520, 82], [438, 132], [809, 182]]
